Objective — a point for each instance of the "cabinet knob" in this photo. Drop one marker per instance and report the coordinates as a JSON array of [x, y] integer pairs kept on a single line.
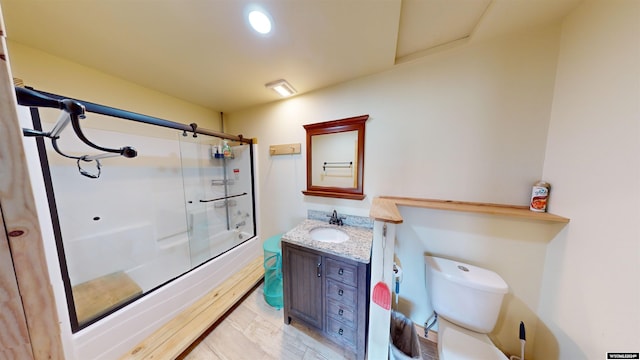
[[340, 331], [340, 312], [340, 292], [341, 271], [318, 271]]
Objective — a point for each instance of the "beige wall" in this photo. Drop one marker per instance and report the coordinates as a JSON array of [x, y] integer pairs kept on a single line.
[[590, 297], [466, 124], [59, 76]]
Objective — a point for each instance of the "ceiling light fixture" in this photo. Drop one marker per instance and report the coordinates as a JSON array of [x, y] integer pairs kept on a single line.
[[259, 21], [282, 87]]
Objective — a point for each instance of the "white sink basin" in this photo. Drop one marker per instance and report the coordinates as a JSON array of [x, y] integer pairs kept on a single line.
[[328, 234]]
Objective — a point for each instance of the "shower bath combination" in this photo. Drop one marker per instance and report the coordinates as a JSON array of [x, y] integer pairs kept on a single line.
[[151, 212]]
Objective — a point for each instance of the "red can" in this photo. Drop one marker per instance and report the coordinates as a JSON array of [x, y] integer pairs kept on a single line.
[[539, 196]]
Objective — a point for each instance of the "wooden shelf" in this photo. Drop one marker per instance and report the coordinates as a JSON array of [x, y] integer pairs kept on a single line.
[[385, 208]]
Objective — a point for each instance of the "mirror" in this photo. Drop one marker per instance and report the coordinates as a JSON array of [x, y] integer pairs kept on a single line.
[[335, 158]]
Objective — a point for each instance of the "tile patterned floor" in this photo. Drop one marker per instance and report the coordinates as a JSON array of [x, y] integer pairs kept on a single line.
[[254, 330]]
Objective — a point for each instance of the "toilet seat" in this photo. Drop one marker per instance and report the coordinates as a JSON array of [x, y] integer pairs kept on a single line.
[[457, 343]]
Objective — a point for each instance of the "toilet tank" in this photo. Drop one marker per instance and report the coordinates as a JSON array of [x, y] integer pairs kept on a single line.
[[466, 295]]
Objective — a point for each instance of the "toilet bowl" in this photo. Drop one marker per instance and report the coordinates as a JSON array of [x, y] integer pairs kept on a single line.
[[467, 300], [458, 343]]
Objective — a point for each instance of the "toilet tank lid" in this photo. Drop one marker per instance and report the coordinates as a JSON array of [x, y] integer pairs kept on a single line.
[[468, 275]]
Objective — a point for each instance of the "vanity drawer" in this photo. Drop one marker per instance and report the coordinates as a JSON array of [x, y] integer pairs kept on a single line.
[[341, 332], [341, 312], [341, 292], [342, 272]]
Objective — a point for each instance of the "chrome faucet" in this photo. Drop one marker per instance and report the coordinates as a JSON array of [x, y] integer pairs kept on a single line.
[[335, 219]]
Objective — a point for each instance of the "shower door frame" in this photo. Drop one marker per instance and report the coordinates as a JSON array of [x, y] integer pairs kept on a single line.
[[12, 309], [48, 184]]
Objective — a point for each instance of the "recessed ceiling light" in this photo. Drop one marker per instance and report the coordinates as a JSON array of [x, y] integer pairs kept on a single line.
[[282, 87], [260, 22]]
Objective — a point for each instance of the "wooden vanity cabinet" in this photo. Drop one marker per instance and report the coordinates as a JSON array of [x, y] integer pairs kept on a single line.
[[302, 285], [327, 292]]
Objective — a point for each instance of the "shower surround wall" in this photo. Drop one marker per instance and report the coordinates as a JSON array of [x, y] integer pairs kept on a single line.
[[145, 219]]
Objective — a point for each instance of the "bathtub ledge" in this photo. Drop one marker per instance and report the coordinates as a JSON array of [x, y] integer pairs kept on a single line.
[[173, 338]]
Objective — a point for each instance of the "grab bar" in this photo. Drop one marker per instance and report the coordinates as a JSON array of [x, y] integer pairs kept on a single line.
[[223, 198]]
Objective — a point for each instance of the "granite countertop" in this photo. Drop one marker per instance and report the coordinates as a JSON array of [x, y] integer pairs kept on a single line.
[[357, 248]]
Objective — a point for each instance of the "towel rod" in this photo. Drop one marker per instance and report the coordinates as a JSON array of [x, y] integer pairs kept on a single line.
[[337, 165]]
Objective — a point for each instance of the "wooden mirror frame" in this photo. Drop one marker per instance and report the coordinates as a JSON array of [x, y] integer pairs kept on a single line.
[[331, 127]]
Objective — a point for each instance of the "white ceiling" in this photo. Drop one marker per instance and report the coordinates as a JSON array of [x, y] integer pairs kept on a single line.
[[203, 51]]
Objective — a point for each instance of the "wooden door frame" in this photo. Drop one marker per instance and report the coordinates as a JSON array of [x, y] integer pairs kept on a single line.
[[21, 224], [14, 342]]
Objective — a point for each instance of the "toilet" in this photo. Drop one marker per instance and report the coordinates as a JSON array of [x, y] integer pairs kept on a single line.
[[467, 300]]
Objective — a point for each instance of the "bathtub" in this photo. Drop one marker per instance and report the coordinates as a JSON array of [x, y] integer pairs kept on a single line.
[[118, 333], [173, 257], [224, 241]]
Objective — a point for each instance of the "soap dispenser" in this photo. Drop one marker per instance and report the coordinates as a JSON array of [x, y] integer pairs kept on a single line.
[[226, 150]]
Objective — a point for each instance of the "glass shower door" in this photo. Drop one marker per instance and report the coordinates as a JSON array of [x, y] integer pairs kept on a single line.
[[218, 196]]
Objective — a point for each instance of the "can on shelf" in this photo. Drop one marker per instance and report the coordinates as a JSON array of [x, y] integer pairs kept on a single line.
[[539, 196]]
